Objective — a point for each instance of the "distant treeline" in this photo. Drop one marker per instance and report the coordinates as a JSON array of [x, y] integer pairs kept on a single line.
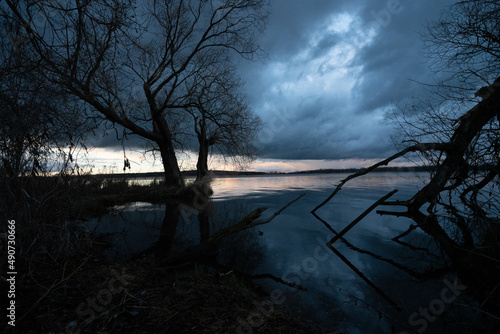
[[355, 170], [249, 173]]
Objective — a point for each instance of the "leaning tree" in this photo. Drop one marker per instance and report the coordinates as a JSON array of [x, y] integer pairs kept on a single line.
[[457, 134], [128, 61]]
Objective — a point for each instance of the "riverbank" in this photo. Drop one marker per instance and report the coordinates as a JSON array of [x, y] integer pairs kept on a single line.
[[138, 297], [66, 285]]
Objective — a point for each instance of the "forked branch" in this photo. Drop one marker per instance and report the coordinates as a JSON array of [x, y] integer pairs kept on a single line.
[[421, 147]]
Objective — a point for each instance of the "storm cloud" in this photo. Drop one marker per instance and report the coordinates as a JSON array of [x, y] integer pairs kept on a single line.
[[333, 71]]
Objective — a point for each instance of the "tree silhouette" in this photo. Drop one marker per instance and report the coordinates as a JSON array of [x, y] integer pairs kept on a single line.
[[130, 63], [221, 118]]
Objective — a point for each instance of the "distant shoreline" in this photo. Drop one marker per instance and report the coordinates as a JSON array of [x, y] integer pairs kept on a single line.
[[250, 173]]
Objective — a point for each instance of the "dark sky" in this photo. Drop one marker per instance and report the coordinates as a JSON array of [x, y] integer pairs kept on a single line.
[[334, 69]]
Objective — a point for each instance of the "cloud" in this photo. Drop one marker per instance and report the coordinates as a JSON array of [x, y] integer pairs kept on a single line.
[[334, 69], [334, 73]]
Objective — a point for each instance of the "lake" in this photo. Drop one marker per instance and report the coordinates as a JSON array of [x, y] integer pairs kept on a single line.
[[370, 284]]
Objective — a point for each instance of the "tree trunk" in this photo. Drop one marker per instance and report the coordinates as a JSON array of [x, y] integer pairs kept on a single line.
[[202, 164], [469, 127], [170, 165]]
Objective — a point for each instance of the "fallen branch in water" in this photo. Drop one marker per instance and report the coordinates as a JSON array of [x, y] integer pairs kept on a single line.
[[277, 213], [224, 270], [248, 222], [241, 225], [208, 247], [360, 217], [405, 233], [278, 280]]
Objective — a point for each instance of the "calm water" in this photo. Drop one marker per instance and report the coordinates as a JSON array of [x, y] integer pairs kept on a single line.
[[357, 290]]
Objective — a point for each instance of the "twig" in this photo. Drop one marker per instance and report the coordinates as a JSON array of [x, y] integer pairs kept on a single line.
[[479, 310], [277, 213], [490, 294], [279, 280], [64, 279], [405, 233], [384, 313], [478, 254]]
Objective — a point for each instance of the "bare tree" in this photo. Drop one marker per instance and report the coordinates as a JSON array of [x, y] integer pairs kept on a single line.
[[221, 118], [464, 45], [37, 120], [129, 62]]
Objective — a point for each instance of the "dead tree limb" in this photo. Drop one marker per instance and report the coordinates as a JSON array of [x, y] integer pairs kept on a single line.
[[422, 147], [469, 127], [241, 225], [278, 280], [277, 213], [360, 217], [405, 233], [406, 269], [248, 222], [207, 248]]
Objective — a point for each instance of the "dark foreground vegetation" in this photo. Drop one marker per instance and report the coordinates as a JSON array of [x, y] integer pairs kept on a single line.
[[66, 77], [64, 284]]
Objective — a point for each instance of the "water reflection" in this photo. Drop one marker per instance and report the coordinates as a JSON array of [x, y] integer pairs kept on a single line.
[[175, 232], [144, 228], [254, 186], [168, 230], [336, 290], [195, 249]]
